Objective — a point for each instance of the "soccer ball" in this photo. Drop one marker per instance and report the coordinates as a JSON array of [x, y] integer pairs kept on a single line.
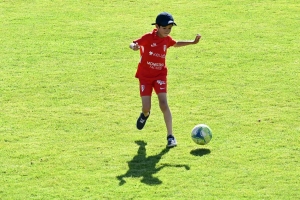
[[201, 134]]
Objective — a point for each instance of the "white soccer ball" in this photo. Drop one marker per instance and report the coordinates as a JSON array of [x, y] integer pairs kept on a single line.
[[201, 134]]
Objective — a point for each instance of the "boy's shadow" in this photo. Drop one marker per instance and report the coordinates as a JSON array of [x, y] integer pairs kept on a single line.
[[145, 167]]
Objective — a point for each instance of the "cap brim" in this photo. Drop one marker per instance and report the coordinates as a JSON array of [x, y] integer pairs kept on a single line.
[[166, 24]]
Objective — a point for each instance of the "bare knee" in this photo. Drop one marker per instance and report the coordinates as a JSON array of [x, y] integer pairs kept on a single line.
[[146, 104], [163, 104]]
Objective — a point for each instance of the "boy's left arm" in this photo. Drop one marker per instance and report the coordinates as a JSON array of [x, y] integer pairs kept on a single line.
[[184, 43]]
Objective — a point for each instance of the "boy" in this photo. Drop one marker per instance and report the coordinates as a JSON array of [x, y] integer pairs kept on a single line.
[[152, 71]]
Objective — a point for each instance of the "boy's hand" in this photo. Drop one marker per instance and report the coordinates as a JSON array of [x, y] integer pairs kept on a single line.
[[134, 46], [198, 37]]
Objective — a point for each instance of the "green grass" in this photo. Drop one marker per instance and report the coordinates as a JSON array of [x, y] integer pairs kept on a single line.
[[69, 101]]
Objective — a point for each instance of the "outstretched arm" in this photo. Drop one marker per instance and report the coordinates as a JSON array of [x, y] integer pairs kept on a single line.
[[184, 43]]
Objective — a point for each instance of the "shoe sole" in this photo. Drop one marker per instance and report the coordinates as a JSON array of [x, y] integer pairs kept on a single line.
[[172, 145]]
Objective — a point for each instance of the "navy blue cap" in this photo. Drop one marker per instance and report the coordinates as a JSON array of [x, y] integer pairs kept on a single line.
[[164, 19]]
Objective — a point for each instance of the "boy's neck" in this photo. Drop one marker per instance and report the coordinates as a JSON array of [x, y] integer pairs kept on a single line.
[[159, 35]]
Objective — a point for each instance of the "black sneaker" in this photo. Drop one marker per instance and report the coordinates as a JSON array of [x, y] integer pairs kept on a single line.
[[141, 121], [171, 141]]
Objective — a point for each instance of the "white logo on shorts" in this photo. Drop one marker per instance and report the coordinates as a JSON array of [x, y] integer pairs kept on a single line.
[[142, 88], [160, 82]]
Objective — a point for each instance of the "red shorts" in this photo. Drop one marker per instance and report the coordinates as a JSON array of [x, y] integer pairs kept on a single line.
[[147, 86]]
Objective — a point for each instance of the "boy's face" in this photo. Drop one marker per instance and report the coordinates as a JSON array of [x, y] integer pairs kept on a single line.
[[164, 31]]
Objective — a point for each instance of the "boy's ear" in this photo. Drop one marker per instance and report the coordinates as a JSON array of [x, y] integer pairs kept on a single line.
[[157, 27]]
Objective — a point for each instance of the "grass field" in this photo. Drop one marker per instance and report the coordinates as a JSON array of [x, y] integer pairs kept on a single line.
[[69, 101]]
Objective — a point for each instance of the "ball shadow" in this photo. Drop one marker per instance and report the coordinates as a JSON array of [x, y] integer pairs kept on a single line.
[[200, 152]]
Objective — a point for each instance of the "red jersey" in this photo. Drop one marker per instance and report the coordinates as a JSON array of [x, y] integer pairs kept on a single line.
[[153, 50]]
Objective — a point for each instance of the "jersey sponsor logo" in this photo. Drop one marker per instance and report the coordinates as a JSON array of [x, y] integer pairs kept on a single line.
[[157, 66], [157, 54]]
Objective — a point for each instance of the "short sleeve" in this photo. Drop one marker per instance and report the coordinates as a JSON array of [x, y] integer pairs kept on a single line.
[[172, 42], [143, 41]]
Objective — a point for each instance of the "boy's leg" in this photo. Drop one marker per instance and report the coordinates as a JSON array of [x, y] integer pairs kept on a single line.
[[146, 106], [163, 104], [145, 93], [146, 89], [164, 107]]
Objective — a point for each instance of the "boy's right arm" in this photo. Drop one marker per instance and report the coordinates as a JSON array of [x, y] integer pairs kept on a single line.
[[134, 46]]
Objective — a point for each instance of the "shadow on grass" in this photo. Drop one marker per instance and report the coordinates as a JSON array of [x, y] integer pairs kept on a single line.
[[200, 152], [145, 167]]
